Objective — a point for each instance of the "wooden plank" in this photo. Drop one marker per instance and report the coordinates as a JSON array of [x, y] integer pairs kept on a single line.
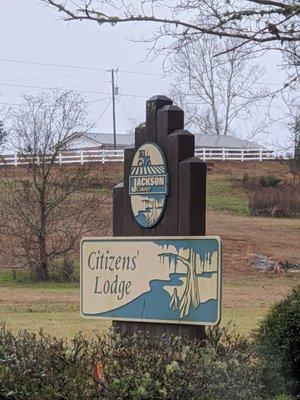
[[118, 210], [169, 119], [140, 139], [179, 147], [192, 197], [128, 219], [140, 135], [192, 206], [129, 328], [152, 107]]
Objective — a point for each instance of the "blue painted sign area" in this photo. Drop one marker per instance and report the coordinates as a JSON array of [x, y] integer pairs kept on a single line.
[[148, 184], [154, 279]]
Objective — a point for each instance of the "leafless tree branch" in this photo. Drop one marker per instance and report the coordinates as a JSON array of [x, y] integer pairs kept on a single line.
[[259, 21]]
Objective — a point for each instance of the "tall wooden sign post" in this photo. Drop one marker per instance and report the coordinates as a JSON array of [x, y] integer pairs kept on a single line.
[[183, 213]]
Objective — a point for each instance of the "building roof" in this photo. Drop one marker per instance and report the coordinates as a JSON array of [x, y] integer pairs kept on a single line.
[[95, 139], [223, 141], [124, 139]]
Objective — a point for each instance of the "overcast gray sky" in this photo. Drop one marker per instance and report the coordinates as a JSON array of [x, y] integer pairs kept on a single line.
[[32, 32]]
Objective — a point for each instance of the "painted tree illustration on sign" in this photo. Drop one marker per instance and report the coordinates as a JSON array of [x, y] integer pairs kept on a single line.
[[191, 294], [151, 210]]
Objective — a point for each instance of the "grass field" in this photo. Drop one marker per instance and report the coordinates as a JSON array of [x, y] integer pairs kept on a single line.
[[223, 197], [247, 294], [54, 307]]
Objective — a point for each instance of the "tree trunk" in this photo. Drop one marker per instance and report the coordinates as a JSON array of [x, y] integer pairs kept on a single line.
[[42, 267]]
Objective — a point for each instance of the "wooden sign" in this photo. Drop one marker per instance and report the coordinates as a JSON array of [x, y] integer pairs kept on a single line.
[[162, 198], [148, 184], [154, 279]]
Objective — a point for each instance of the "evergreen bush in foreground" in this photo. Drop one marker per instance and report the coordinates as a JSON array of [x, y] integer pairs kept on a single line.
[[39, 367], [278, 344], [112, 367]]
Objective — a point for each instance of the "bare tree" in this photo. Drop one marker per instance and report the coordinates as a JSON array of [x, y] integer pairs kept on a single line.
[[46, 208], [2, 133], [264, 23], [295, 140], [217, 92], [291, 64]]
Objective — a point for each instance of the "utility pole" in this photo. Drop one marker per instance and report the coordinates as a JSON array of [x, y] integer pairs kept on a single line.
[[114, 106]]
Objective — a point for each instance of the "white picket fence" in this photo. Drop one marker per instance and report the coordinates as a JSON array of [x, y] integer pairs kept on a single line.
[[108, 156], [235, 154]]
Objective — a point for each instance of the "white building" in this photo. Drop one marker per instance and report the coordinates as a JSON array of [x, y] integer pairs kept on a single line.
[[94, 140]]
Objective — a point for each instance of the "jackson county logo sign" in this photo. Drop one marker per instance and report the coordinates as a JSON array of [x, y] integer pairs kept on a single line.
[[154, 279], [148, 184]]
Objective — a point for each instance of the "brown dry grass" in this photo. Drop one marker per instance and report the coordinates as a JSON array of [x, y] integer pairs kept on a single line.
[[252, 168], [278, 237]]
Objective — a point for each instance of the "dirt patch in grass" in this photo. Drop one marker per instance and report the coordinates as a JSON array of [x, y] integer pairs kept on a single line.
[[36, 296], [279, 238]]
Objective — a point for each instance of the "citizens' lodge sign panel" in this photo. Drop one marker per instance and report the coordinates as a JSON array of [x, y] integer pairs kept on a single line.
[[152, 279]]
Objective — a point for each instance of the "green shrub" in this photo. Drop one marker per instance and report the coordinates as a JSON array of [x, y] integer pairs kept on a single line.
[[257, 182], [65, 271], [278, 343], [245, 180], [114, 367], [38, 367], [269, 181], [143, 368]]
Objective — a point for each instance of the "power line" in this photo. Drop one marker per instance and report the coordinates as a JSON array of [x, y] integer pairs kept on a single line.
[[188, 103], [124, 107], [51, 77], [103, 112], [99, 69], [11, 104], [21, 105], [95, 101], [70, 88], [47, 88], [75, 67], [51, 64], [92, 83]]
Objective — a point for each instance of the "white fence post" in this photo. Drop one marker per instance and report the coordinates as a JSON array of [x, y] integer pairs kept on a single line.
[[16, 160], [260, 155], [59, 158], [103, 156], [204, 154], [81, 157], [242, 155], [224, 157]]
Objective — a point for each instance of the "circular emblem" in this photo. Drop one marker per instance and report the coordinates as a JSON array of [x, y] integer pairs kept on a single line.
[[148, 184]]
